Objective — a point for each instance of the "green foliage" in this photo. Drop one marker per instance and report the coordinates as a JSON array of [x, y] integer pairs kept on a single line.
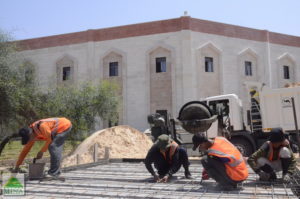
[[22, 102], [81, 105], [9, 83]]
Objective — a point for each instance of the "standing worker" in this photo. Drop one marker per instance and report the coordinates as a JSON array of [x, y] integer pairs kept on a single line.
[[223, 162], [51, 130], [167, 157], [273, 156]]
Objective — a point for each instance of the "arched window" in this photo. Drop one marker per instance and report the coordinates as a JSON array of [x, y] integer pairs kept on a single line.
[[65, 68], [286, 70], [208, 68], [160, 75], [112, 65]]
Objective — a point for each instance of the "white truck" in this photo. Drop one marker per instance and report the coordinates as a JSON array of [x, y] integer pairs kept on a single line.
[[248, 129], [246, 125]]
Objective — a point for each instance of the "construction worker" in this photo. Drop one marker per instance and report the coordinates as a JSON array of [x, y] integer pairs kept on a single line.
[[167, 157], [51, 130], [254, 95], [223, 161], [273, 156]]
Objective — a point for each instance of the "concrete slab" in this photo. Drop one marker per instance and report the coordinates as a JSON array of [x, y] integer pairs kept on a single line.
[[131, 180]]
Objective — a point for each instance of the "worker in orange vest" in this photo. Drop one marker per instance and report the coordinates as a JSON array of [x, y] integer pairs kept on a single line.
[[223, 162], [273, 156], [51, 130], [167, 157]]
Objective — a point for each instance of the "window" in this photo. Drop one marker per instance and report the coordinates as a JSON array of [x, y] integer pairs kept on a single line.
[[209, 67], [219, 107], [113, 69], [66, 73], [286, 72], [161, 64], [248, 68]]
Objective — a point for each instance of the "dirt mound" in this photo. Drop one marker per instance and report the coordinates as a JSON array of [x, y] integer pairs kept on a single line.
[[291, 85], [122, 142]]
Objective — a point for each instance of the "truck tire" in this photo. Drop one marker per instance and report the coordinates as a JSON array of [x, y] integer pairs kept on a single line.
[[243, 145]]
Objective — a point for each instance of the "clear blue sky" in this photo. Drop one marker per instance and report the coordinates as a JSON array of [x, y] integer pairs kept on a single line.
[[37, 18]]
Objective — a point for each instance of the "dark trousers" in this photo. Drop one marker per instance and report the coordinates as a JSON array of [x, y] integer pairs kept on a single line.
[[216, 169], [55, 150], [163, 167]]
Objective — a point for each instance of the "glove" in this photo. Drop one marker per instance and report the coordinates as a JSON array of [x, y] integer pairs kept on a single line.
[[156, 178], [164, 179], [205, 175], [286, 178], [263, 176], [39, 155]]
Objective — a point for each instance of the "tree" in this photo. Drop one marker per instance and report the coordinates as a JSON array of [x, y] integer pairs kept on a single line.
[[22, 102], [8, 80], [81, 105]]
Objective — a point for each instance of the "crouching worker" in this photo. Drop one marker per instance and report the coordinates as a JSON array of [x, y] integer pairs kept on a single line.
[[51, 130], [167, 157], [223, 162], [273, 156]]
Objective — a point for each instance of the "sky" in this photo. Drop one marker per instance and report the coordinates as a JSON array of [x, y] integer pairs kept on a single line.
[[25, 19]]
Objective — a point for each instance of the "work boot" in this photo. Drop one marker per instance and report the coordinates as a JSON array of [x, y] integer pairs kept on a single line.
[[48, 177], [273, 176], [269, 170], [285, 163], [228, 187], [187, 174]]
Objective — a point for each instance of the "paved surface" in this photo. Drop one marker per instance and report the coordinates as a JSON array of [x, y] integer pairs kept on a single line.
[[131, 180]]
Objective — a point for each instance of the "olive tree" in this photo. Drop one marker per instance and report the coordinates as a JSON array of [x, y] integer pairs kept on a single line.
[[81, 105], [23, 102]]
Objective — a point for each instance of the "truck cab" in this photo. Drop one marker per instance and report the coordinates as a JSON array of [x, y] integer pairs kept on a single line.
[[230, 108], [248, 129]]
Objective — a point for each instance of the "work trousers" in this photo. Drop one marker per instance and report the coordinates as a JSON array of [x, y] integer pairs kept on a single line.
[[163, 167], [277, 165], [55, 150], [216, 170]]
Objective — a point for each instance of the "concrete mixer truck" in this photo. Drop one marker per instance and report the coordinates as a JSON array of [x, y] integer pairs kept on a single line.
[[246, 128]]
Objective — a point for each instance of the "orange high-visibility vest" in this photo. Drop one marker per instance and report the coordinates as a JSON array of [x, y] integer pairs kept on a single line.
[[56, 125], [271, 152], [236, 168], [285, 143], [172, 150]]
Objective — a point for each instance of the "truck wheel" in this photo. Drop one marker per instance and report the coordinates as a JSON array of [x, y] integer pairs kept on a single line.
[[242, 145]]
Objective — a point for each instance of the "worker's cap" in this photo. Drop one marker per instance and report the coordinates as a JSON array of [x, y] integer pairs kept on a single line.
[[24, 133], [163, 141], [198, 139], [276, 135]]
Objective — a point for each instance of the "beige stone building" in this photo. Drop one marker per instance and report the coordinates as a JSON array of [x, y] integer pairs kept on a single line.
[[161, 65]]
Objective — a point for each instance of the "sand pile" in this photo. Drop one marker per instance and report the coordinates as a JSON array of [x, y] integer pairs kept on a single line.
[[291, 85], [122, 141]]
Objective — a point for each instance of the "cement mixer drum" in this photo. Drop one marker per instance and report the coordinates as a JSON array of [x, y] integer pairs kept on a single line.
[[196, 117]]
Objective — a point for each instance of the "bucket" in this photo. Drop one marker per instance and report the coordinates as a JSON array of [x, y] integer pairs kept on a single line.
[[36, 171]]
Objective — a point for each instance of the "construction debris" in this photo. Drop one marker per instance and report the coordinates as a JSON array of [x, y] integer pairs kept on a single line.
[[121, 142]]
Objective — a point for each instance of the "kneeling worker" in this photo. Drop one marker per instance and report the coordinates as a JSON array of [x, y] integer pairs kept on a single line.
[[223, 162], [167, 157], [51, 130], [273, 156]]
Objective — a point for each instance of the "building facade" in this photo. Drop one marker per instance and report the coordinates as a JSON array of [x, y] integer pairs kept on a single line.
[[163, 64]]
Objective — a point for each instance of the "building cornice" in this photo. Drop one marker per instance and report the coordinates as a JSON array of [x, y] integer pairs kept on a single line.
[[157, 27]]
